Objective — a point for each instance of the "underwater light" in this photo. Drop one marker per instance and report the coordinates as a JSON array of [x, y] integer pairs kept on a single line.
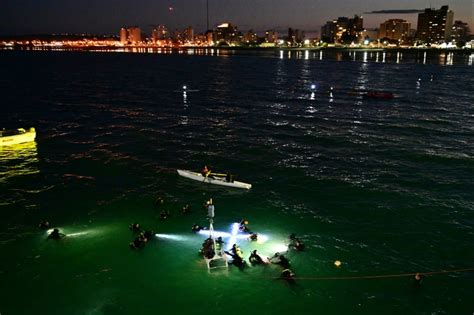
[[216, 233], [171, 237], [313, 86], [234, 235], [77, 234], [261, 239]]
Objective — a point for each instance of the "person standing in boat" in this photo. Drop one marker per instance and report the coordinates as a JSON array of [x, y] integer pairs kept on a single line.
[[205, 171]]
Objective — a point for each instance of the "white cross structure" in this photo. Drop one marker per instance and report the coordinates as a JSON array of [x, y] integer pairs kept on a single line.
[[233, 236]]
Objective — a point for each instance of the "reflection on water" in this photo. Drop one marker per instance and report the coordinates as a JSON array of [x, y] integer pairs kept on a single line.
[[17, 160], [435, 56]]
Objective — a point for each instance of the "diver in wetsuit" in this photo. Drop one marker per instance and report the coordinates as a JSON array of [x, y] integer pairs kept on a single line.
[[55, 235], [134, 227], [44, 225], [255, 258]]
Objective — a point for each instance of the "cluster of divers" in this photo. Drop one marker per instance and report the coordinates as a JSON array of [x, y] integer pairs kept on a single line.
[[211, 247], [238, 260]]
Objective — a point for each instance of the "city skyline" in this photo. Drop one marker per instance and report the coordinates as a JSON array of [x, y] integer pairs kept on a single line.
[[105, 17]]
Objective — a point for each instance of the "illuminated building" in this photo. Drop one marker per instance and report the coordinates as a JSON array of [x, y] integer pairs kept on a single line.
[[435, 26], [131, 35], [123, 35], [328, 32], [226, 33], [250, 37], [343, 30], [154, 36], [271, 36], [188, 34], [395, 29], [295, 36], [134, 34], [460, 31]]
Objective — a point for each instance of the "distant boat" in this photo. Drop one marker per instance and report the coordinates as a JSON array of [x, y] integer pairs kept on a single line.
[[379, 95], [16, 136], [212, 179]]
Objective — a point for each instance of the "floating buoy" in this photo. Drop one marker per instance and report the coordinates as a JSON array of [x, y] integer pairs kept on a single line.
[[337, 263]]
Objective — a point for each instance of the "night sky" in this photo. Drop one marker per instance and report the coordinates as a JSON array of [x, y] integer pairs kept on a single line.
[[107, 16]]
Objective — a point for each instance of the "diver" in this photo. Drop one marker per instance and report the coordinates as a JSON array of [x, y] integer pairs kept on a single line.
[[196, 228], [281, 260], [148, 235], [137, 243], [219, 243], [237, 251], [253, 237], [418, 279], [296, 242], [164, 214], [186, 209], [255, 258], [55, 235], [243, 226], [159, 201], [134, 227], [44, 225], [288, 275], [298, 245], [208, 248], [237, 260]]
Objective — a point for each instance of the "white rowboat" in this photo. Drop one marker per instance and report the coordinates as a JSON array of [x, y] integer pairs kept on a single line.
[[213, 180]]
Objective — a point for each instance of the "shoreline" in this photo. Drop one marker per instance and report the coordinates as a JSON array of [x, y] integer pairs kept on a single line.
[[464, 51]]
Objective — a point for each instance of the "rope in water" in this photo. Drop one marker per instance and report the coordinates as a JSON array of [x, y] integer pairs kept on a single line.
[[385, 276]]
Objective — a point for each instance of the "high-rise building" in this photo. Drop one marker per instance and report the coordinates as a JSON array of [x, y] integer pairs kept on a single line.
[[134, 34], [123, 35], [188, 34], [295, 36], [435, 26], [460, 31], [271, 36], [154, 36], [328, 32], [395, 29], [250, 37], [343, 30], [226, 33]]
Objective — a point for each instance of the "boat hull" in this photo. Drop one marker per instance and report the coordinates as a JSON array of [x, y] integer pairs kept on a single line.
[[216, 181], [28, 136]]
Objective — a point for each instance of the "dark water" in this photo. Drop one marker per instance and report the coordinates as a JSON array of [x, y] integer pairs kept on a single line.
[[386, 187]]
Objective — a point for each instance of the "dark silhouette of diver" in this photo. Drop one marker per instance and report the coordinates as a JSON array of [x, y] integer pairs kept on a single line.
[[296, 242], [159, 201], [288, 276], [55, 235], [196, 228], [44, 225], [418, 279], [134, 227], [280, 260], [255, 258], [237, 260], [164, 214], [186, 209]]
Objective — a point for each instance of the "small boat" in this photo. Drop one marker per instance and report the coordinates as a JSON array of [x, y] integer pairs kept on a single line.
[[20, 135], [211, 179], [379, 95]]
